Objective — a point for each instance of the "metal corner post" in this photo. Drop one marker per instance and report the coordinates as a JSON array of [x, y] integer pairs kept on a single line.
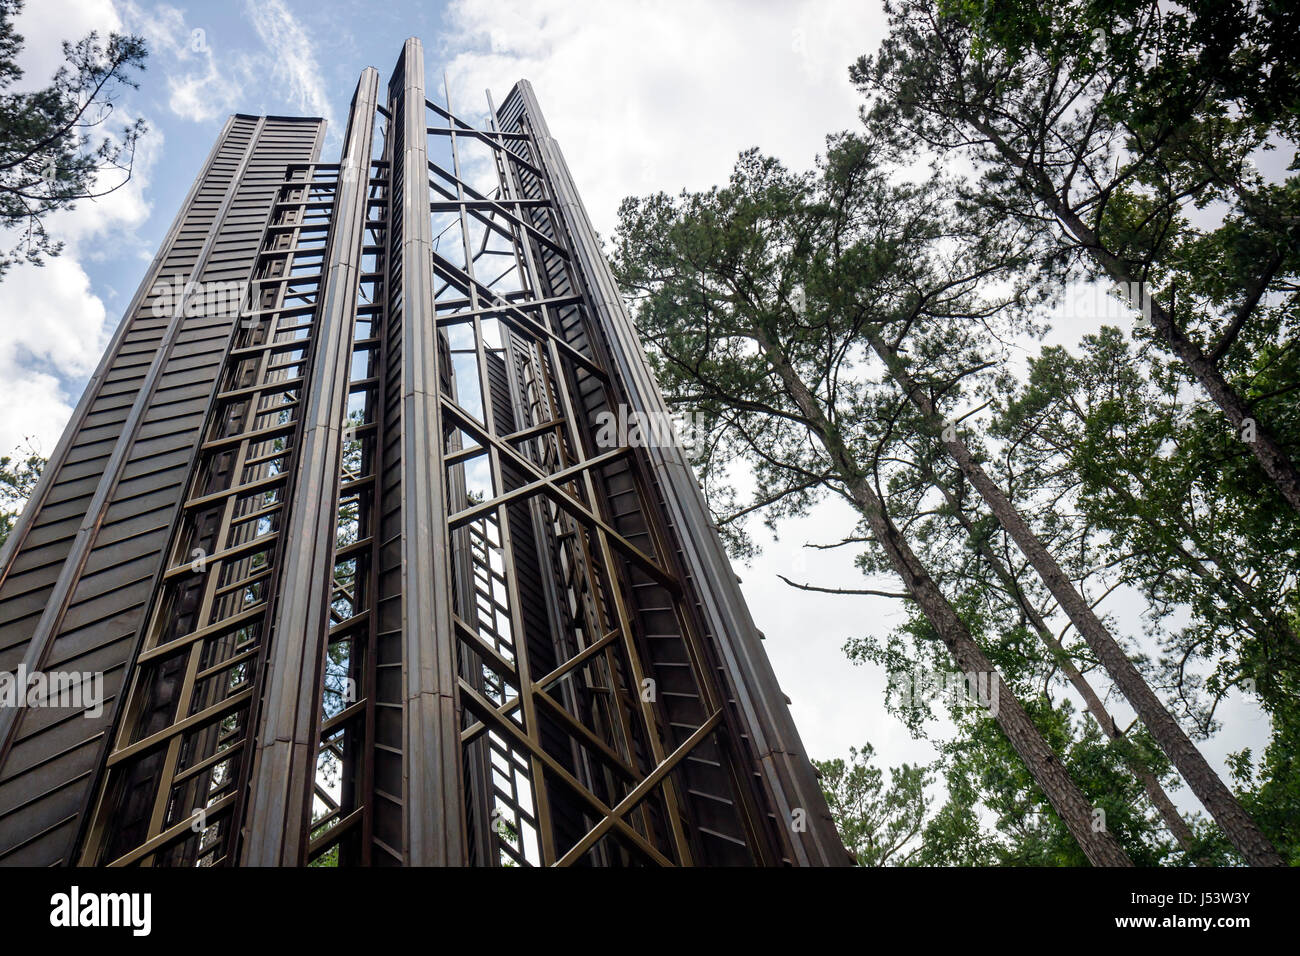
[[434, 831], [281, 781]]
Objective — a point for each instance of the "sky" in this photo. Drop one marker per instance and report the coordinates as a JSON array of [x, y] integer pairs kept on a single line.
[[642, 95]]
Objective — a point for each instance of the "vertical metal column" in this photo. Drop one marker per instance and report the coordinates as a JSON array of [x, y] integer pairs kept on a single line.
[[287, 727], [434, 828]]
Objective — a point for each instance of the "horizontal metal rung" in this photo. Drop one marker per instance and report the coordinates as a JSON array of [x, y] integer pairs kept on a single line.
[[711, 796], [210, 630], [254, 436], [195, 720], [722, 836]]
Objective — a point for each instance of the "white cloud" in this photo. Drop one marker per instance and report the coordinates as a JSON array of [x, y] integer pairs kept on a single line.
[[207, 79], [54, 326], [45, 24], [291, 56], [203, 94], [647, 96], [55, 319], [95, 227], [45, 413], [199, 90]]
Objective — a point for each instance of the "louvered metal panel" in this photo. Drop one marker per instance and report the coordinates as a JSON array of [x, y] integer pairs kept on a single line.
[[80, 566]]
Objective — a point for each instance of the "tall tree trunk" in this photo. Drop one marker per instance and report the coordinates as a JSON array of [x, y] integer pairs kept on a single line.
[[1268, 451], [1155, 793], [1254, 847], [1076, 812]]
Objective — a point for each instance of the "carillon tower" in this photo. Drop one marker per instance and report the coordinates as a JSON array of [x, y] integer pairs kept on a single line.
[[337, 531]]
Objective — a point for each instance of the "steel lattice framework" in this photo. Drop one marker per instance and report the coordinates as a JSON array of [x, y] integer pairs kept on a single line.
[[399, 604]]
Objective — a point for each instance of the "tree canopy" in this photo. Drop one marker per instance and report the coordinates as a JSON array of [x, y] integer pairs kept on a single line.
[[855, 331], [61, 143]]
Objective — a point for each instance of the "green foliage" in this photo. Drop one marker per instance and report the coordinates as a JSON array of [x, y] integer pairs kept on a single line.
[[985, 778], [878, 823], [1105, 139], [1271, 791], [19, 473], [995, 814], [1171, 502], [58, 144], [1122, 133]]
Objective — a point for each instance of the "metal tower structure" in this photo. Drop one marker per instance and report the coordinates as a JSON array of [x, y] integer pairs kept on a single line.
[[364, 585]]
